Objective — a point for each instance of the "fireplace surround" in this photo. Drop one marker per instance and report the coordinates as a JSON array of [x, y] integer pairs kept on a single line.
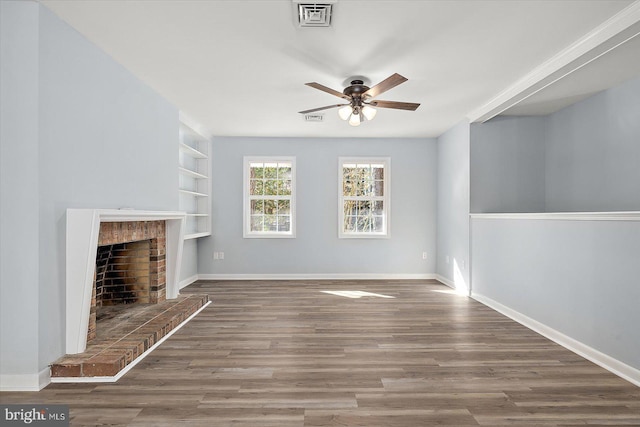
[[83, 238]]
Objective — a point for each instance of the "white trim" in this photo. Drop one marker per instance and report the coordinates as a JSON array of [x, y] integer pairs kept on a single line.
[[25, 382], [445, 281], [607, 36], [83, 226], [570, 216], [386, 197], [114, 378], [614, 366], [186, 282], [246, 205], [319, 276]]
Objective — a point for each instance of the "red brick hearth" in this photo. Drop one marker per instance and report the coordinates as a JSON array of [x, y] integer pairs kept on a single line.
[[126, 336]]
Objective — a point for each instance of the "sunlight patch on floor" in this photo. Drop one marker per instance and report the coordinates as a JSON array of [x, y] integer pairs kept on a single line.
[[458, 292], [356, 294]]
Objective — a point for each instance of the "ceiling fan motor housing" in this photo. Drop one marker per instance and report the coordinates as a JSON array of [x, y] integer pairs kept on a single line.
[[356, 89]]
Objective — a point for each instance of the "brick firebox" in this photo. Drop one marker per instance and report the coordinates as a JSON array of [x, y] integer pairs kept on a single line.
[[143, 274]]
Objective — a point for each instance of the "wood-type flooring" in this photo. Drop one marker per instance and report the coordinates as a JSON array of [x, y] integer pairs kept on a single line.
[[350, 353]]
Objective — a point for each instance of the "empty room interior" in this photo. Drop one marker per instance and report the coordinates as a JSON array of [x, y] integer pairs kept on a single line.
[[342, 213]]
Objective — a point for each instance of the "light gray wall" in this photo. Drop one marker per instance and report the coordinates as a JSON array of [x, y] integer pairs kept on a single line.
[[316, 248], [19, 204], [593, 153], [578, 277], [104, 140], [453, 205], [508, 165]]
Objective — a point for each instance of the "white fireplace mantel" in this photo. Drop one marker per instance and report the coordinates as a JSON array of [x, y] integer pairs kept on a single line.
[[83, 226]]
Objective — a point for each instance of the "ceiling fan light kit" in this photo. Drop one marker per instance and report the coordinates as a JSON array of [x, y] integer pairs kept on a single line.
[[361, 102]]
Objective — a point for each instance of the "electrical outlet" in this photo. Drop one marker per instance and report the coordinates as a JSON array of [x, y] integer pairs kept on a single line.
[[464, 264], [447, 259], [216, 255], [424, 255], [220, 255]]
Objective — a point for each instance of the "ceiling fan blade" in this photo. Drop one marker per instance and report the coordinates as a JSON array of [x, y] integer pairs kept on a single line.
[[322, 108], [388, 83], [327, 89], [394, 104]]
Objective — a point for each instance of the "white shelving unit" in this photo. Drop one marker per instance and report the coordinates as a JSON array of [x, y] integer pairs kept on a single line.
[[194, 185]]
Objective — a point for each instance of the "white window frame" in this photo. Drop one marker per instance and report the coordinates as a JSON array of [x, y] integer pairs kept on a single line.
[[246, 208], [386, 198]]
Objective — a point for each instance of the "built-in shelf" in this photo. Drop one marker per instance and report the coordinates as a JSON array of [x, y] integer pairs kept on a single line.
[[191, 173], [193, 193], [192, 151], [194, 184]]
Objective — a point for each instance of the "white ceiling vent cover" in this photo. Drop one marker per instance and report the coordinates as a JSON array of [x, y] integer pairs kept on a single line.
[[314, 14], [314, 117]]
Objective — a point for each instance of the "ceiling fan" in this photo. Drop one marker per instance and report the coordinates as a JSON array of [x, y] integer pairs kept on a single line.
[[361, 100]]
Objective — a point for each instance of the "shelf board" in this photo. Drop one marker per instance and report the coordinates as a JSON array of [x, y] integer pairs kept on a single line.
[[198, 214], [193, 174], [193, 193], [192, 151], [197, 235]]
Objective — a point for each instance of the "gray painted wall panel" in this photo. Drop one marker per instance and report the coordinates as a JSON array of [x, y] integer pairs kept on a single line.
[[508, 165], [593, 153], [316, 248], [19, 202], [580, 278], [453, 204]]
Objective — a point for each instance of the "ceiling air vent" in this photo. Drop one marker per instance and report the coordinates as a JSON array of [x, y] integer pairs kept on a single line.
[[314, 117], [314, 14]]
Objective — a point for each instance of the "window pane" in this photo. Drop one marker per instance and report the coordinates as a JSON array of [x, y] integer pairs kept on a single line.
[[257, 222], [284, 207], [284, 171], [378, 224], [284, 222], [349, 224], [270, 207], [257, 207], [364, 224], [256, 170], [270, 170], [378, 188], [364, 208], [349, 207], [256, 187], [378, 208], [284, 188], [270, 187], [270, 223]]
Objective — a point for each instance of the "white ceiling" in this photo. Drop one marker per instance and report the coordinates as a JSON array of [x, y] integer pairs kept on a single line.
[[239, 67]]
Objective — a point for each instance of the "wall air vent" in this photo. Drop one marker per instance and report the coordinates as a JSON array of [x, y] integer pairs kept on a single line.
[[314, 14], [314, 117]]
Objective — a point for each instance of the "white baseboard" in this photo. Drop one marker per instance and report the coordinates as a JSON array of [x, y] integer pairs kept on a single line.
[[25, 382], [614, 366], [445, 281], [187, 281], [321, 276]]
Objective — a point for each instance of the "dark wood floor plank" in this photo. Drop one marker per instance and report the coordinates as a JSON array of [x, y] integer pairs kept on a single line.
[[289, 354]]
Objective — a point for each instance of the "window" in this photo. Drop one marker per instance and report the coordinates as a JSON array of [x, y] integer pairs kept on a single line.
[[269, 197], [363, 208]]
